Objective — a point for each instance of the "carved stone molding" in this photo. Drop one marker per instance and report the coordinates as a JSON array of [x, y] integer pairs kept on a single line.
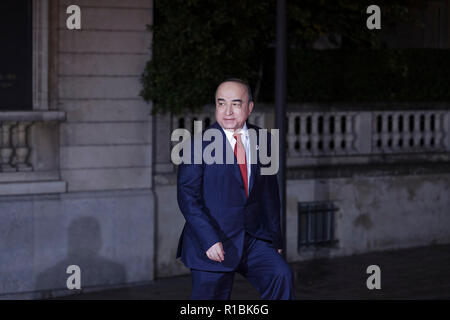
[[40, 54]]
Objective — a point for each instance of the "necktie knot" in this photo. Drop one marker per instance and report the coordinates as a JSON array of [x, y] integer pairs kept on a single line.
[[237, 137]]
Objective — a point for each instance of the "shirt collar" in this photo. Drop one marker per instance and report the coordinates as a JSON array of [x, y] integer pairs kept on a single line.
[[244, 132]]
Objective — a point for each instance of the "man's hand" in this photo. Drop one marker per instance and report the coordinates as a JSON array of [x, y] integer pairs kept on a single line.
[[280, 251], [216, 252]]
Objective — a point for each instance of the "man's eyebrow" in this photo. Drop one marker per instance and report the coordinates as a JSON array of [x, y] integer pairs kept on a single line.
[[234, 100]]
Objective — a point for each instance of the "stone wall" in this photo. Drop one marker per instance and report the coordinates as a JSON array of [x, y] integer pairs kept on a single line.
[[379, 211], [106, 140], [375, 213], [104, 220]]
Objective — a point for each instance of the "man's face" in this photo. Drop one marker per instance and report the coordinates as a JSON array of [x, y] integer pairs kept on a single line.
[[232, 105]]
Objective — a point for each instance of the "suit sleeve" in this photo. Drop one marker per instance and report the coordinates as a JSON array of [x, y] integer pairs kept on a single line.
[[191, 203], [272, 205]]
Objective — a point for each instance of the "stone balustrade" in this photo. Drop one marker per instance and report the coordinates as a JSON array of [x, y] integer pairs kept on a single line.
[[321, 133], [208, 118], [29, 152], [15, 144], [410, 131], [320, 137], [14, 147], [313, 134]]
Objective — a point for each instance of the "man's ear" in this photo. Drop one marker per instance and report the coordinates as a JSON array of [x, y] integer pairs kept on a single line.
[[250, 107]]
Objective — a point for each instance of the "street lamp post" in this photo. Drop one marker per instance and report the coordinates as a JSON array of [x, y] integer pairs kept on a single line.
[[280, 105]]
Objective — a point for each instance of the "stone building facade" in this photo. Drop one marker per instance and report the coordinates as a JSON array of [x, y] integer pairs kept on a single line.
[[86, 177], [84, 194]]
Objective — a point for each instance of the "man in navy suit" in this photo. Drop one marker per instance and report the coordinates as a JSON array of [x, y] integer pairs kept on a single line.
[[232, 210]]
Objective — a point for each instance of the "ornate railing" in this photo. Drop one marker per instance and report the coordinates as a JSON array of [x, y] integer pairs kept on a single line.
[[207, 118], [14, 147], [353, 133], [320, 133], [25, 138], [414, 131], [338, 137]]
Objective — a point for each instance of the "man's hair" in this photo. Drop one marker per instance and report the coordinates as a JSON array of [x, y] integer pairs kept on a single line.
[[240, 81]]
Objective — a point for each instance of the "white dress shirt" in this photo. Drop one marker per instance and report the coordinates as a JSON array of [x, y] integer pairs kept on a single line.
[[246, 143]]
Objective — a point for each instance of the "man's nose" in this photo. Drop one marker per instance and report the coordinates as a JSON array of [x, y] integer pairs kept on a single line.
[[229, 110]]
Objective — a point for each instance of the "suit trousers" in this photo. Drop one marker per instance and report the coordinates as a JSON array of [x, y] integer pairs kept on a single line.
[[260, 264]]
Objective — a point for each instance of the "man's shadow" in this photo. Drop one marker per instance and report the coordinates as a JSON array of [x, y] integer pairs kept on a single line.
[[84, 244]]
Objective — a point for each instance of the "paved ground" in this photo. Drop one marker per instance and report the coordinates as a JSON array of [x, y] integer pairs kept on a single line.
[[418, 273]]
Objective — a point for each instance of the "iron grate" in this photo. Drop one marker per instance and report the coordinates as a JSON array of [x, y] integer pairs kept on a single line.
[[316, 223]]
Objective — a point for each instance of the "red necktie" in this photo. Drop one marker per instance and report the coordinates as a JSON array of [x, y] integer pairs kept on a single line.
[[239, 152]]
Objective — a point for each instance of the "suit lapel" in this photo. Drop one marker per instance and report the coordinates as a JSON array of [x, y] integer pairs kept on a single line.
[[255, 166], [228, 150], [235, 167]]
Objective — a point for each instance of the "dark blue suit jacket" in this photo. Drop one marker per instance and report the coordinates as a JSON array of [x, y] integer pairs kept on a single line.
[[213, 201]]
